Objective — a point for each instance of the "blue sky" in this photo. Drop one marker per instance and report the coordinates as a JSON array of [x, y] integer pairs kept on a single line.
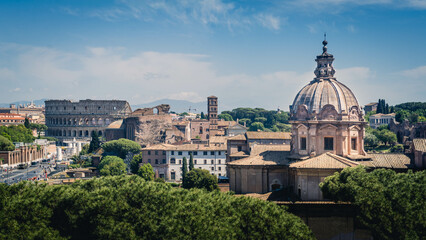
[[248, 53]]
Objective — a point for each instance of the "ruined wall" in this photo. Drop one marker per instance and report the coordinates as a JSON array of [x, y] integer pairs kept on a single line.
[[66, 119]]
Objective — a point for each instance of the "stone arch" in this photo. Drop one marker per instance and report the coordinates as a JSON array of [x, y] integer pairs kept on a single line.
[[93, 121], [100, 133], [100, 121], [86, 133], [86, 121], [107, 121], [74, 134], [155, 111]]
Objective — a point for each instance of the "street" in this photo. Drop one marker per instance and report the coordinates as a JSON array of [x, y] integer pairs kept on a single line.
[[36, 172]]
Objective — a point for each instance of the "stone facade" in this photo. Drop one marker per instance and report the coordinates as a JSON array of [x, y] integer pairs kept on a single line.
[[325, 115], [380, 119], [167, 159], [406, 131], [66, 119], [24, 154]]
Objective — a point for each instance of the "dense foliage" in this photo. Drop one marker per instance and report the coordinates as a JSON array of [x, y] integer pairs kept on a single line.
[[259, 118], [134, 164], [391, 204], [121, 147], [17, 133], [146, 172], [6, 144], [127, 207], [200, 178], [111, 166], [184, 168], [381, 135], [95, 143], [411, 111]]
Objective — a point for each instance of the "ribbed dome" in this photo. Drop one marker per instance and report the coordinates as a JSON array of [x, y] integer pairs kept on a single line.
[[321, 92], [325, 89]]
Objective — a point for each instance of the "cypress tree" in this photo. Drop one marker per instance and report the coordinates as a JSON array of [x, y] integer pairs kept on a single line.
[[191, 162], [94, 143], [387, 108], [184, 168], [27, 123]]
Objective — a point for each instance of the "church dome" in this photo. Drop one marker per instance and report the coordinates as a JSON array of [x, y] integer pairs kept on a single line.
[[325, 92]]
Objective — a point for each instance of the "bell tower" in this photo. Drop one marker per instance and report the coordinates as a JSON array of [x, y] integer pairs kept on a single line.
[[212, 114]]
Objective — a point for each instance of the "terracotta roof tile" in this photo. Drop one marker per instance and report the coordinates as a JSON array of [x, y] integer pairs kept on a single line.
[[268, 135], [324, 161], [420, 144], [268, 158]]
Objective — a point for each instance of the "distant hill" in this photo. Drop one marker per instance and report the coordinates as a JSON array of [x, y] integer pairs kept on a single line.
[[178, 106], [38, 102]]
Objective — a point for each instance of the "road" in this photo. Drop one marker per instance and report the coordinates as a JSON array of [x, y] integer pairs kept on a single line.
[[16, 175]]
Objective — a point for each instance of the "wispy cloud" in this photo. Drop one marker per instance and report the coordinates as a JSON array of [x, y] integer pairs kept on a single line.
[[419, 72], [204, 12]]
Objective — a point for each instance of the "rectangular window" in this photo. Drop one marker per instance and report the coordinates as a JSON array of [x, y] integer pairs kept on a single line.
[[164, 161], [219, 162], [220, 174], [149, 160], [220, 168], [173, 175], [353, 143], [164, 152], [156, 152], [212, 153], [205, 161], [180, 161], [239, 148], [156, 161], [303, 143], [328, 143], [149, 152], [195, 153], [179, 153], [195, 161], [172, 161], [172, 152], [204, 153], [219, 153], [212, 161], [212, 168]]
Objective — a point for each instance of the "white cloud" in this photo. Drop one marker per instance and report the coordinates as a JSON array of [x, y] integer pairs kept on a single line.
[[269, 21], [419, 72], [140, 77], [205, 12], [15, 90]]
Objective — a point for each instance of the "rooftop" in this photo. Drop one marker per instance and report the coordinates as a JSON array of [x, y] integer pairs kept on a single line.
[[268, 135], [420, 144]]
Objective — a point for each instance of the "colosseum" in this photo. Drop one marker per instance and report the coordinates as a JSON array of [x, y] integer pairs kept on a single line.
[[66, 119]]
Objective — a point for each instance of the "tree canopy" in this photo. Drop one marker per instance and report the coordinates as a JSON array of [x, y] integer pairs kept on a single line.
[[390, 204], [411, 111], [200, 178], [121, 147], [111, 166], [95, 143], [146, 171], [127, 207], [17, 133], [6, 144], [134, 164], [249, 116]]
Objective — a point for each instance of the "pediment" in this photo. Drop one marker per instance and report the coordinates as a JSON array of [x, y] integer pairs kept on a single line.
[[355, 127], [302, 126], [328, 126]]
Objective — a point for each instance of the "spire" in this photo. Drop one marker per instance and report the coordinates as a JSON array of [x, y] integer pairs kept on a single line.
[[324, 62]]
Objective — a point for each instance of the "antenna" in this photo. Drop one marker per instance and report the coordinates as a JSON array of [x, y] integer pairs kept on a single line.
[[325, 36]]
